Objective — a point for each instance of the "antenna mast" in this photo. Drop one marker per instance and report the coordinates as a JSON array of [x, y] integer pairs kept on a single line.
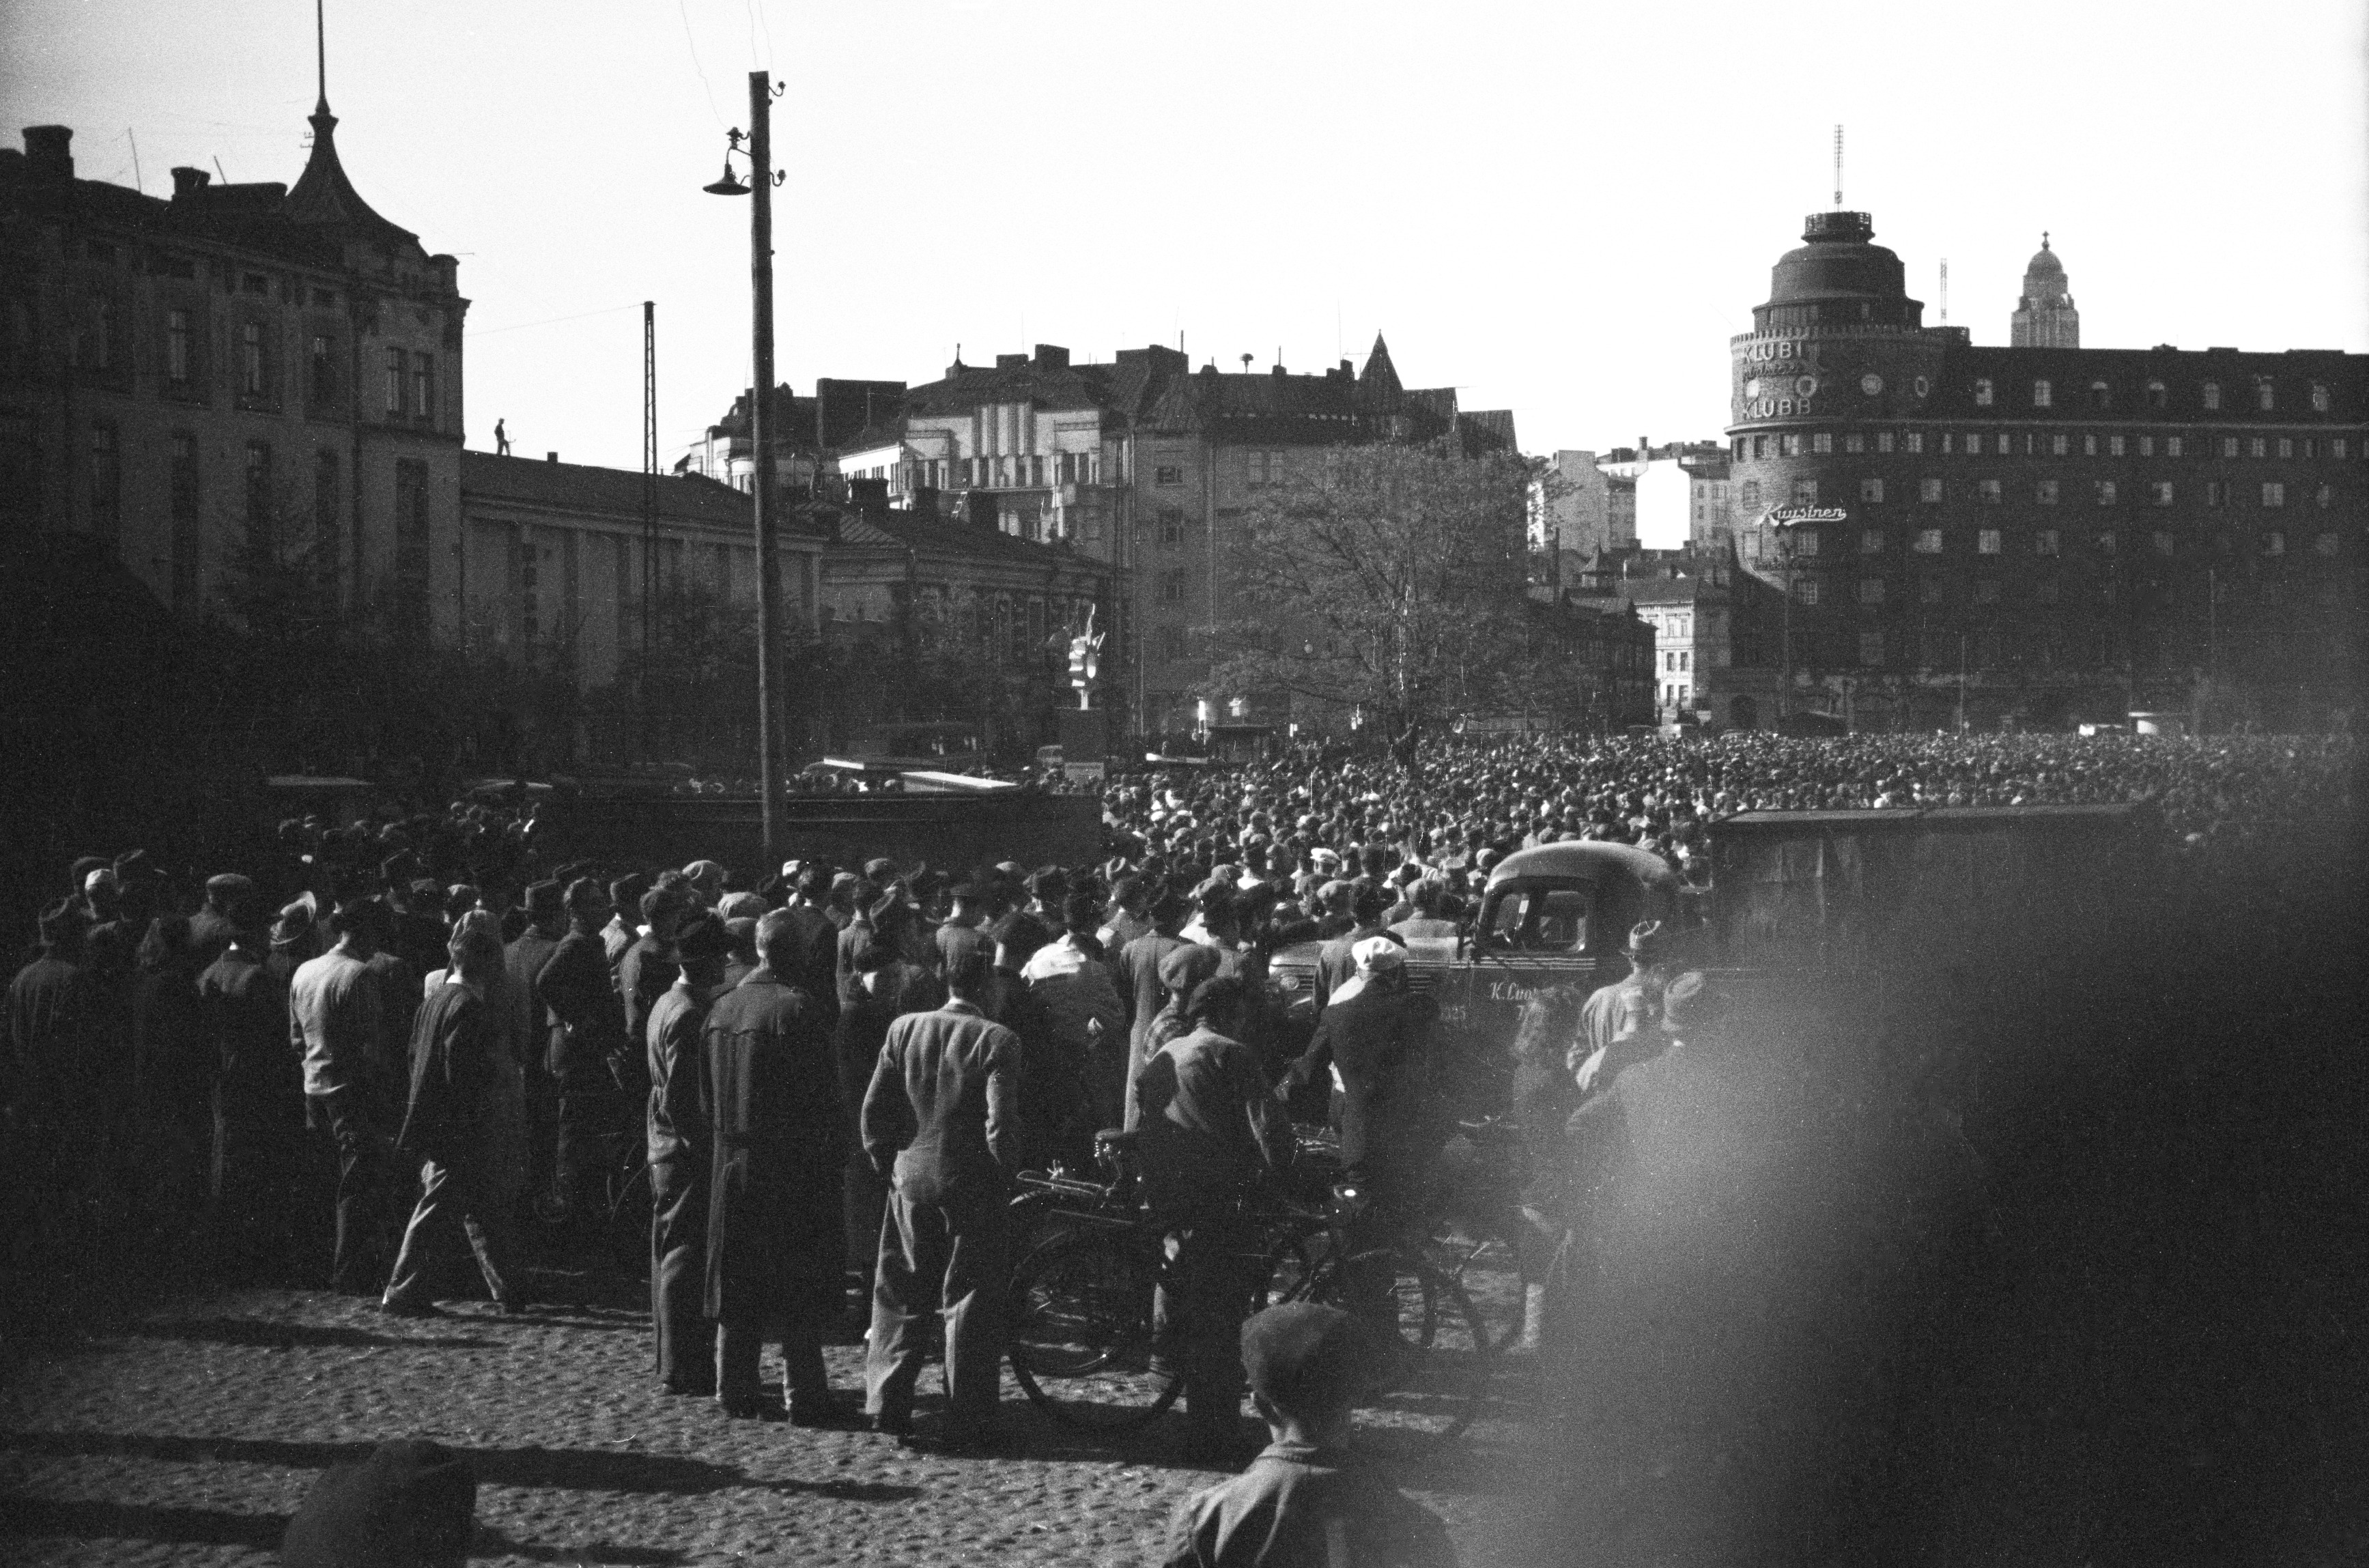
[[650, 510], [1839, 168], [320, 46], [1945, 291]]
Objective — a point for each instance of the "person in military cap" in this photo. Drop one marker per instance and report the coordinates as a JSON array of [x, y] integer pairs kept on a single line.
[[680, 1153], [1306, 1501], [411, 1505]]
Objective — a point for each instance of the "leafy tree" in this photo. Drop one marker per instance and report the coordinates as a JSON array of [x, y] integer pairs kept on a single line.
[[1390, 581]]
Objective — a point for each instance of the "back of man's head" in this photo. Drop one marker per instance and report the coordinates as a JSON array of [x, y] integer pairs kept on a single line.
[[1367, 904], [777, 942], [1309, 1363], [969, 974]]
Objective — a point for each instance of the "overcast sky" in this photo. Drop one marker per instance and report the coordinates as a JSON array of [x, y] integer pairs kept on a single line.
[[1560, 209]]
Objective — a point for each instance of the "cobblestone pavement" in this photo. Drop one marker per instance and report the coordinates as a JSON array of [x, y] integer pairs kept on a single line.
[[188, 1434]]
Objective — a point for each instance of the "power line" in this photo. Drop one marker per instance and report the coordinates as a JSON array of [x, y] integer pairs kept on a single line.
[[547, 321], [680, 11]]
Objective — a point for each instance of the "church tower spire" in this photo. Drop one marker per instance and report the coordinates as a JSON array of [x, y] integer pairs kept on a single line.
[[2045, 316], [324, 196]]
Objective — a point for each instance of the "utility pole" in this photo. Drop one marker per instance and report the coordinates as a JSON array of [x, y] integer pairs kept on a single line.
[[1961, 683], [650, 518], [761, 434]]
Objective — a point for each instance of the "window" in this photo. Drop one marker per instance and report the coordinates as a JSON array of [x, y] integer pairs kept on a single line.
[[1987, 491], [2335, 448], [1929, 491], [1883, 440], [2274, 494], [1822, 443], [1805, 492], [1792, 445], [1870, 489], [2099, 396], [1806, 542], [2318, 399], [1929, 591], [323, 378], [1752, 495], [2324, 545], [423, 386], [2114, 446], [2326, 497], [2263, 396], [2286, 448], [2146, 447], [98, 351], [1870, 648], [2172, 446], [2105, 492], [2213, 395], [2228, 446], [2046, 542], [1974, 444], [2274, 542], [1947, 443], [2106, 542], [2258, 447], [1172, 587], [258, 496], [1669, 661], [325, 519], [176, 348], [1986, 590], [2217, 493], [1929, 542], [1870, 591], [2156, 398], [2058, 446], [250, 359], [1760, 446], [182, 479], [1983, 393], [1168, 473], [1870, 541], [2160, 492], [1172, 527], [2161, 541], [395, 366], [2044, 492], [1806, 591], [106, 483], [2089, 446], [1915, 440], [2041, 396], [1987, 542], [1855, 442], [1168, 642]]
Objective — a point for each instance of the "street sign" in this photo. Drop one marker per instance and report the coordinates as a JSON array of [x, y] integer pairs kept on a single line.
[[1080, 772]]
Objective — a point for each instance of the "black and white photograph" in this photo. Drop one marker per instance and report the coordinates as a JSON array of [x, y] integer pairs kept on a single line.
[[784, 782]]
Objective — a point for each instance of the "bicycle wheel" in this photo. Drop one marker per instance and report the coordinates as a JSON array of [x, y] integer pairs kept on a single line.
[[1484, 1255], [1439, 1352], [1080, 1318]]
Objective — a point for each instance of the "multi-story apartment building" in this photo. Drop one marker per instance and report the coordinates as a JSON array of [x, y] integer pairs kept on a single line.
[[2054, 531], [242, 386]]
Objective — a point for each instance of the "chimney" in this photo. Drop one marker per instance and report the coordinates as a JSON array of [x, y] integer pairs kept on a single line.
[[1011, 362], [551, 457], [188, 182], [1052, 357], [48, 153], [984, 511]]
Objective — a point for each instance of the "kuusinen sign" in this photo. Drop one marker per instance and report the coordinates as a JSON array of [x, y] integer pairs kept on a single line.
[[1782, 515]]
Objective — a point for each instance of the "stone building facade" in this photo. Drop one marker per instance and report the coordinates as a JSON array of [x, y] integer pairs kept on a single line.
[[2054, 533], [243, 389]]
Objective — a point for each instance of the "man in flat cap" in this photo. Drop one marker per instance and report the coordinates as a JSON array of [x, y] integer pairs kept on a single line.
[[680, 1152], [1623, 1011], [1306, 1501]]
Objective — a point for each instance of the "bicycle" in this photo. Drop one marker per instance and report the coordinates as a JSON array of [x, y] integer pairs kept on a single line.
[[1084, 1322]]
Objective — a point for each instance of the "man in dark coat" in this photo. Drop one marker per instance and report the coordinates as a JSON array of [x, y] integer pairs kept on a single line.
[[818, 937], [53, 1076], [648, 967], [681, 1152], [546, 923], [212, 928], [574, 986], [257, 1103], [1139, 979], [452, 1043], [776, 1250], [961, 932], [942, 1120]]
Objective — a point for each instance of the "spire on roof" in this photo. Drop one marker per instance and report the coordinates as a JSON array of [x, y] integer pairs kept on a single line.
[[323, 195], [1379, 380]]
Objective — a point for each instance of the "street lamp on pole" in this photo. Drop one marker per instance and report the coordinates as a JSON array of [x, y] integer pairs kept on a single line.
[[760, 154]]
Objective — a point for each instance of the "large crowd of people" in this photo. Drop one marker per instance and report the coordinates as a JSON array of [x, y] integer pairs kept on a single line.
[[403, 1034]]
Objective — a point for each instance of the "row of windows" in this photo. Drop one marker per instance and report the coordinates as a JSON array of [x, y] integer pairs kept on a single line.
[[2050, 492], [1015, 470], [2046, 541], [96, 348], [2152, 394], [2038, 443]]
